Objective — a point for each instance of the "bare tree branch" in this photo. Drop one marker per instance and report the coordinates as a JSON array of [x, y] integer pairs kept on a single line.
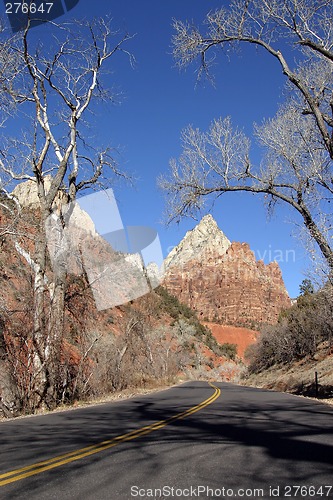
[[297, 144]]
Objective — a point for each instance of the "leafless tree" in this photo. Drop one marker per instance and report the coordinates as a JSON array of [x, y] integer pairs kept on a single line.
[[300, 332], [54, 88], [296, 167], [9, 68], [10, 209]]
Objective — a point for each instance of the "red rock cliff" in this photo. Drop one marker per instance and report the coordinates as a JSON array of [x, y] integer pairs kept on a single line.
[[225, 284]]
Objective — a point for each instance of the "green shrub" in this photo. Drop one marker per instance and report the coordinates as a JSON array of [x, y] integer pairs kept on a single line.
[[229, 350], [177, 310]]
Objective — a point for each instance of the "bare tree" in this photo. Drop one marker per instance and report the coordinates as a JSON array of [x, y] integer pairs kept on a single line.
[[10, 209], [298, 142], [54, 88], [9, 68]]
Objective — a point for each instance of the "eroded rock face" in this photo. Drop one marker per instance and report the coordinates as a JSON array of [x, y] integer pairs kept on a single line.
[[27, 195], [224, 282], [205, 239]]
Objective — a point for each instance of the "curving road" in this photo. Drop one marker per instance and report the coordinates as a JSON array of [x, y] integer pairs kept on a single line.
[[196, 440]]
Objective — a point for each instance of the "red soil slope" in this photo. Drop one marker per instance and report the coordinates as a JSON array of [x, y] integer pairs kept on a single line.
[[242, 337]]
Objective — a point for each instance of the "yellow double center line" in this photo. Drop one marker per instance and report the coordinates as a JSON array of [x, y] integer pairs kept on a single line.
[[52, 463]]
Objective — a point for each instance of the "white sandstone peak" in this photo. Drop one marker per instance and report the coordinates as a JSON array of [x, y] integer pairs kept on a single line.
[[27, 195], [205, 238]]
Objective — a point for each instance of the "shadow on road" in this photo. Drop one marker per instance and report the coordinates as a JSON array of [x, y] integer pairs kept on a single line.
[[247, 437]]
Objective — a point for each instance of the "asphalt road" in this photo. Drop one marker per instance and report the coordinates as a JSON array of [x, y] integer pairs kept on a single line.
[[191, 441]]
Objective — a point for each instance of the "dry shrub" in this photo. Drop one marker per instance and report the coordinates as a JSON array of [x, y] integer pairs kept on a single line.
[[297, 334]]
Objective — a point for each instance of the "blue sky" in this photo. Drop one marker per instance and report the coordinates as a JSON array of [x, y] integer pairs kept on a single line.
[[158, 101]]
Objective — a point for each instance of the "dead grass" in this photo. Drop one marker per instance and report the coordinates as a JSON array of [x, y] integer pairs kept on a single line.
[[116, 396], [298, 378]]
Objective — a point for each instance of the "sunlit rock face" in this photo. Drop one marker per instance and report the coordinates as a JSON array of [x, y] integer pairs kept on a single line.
[[223, 281]]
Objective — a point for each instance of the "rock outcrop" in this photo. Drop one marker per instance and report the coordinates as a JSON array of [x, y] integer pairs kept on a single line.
[[116, 277], [27, 196], [204, 240], [222, 281]]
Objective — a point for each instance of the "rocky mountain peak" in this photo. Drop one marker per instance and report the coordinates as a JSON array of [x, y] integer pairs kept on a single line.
[[222, 281], [204, 239]]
